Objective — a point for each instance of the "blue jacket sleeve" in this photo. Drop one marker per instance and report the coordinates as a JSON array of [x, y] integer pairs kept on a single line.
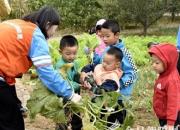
[[178, 40], [129, 69], [96, 58], [39, 54]]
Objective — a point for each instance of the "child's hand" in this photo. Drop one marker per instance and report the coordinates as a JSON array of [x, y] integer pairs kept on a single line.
[[87, 85], [82, 77], [84, 83]]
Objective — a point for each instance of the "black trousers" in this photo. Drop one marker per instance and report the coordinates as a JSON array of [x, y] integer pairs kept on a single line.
[[120, 116], [10, 115], [163, 122], [76, 121]]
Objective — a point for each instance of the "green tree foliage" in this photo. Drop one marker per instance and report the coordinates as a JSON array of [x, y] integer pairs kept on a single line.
[[74, 14], [81, 15], [19, 8], [147, 12], [173, 7], [144, 12], [120, 10], [36, 4], [47, 104]]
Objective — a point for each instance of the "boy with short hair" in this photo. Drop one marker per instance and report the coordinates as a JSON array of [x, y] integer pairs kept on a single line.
[[109, 69], [106, 76], [68, 49], [166, 99], [108, 73], [110, 33]]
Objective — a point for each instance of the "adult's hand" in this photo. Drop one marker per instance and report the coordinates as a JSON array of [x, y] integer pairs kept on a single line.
[[76, 98]]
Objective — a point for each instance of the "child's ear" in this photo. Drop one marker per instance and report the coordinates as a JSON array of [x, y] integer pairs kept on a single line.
[[60, 51], [47, 25], [117, 35], [118, 64]]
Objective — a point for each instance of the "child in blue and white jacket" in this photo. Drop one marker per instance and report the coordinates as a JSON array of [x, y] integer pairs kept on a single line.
[[110, 31]]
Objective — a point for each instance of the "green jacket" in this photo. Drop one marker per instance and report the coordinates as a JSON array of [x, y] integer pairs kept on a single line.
[[72, 74]]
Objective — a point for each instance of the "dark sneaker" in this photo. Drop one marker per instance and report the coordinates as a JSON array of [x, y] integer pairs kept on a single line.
[[24, 111], [61, 127]]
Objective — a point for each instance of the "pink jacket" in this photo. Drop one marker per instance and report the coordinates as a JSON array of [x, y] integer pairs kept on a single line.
[[101, 47]]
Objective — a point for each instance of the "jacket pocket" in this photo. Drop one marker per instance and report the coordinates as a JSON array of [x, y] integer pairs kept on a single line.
[[159, 103]]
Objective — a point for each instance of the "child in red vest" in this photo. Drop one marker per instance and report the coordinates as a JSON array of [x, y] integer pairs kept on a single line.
[[166, 99]]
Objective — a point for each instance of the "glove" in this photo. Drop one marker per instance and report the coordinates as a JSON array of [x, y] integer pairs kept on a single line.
[[76, 98]]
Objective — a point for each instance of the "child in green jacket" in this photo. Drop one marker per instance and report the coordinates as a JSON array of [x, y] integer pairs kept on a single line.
[[68, 49]]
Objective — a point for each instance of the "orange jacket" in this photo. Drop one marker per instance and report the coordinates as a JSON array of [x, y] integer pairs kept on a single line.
[[15, 40]]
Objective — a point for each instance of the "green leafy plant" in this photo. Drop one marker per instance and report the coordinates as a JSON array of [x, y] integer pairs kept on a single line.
[[47, 104], [141, 102]]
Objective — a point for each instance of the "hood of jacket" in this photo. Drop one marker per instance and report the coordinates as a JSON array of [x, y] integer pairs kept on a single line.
[[168, 54]]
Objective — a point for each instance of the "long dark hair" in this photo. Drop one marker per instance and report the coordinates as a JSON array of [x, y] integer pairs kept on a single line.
[[43, 17]]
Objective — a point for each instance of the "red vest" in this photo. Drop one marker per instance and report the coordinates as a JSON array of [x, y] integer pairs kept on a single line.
[[15, 42]]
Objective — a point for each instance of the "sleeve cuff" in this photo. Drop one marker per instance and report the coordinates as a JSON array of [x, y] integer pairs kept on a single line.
[[71, 96], [170, 122]]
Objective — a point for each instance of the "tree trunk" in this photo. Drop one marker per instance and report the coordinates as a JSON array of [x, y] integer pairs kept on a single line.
[[172, 16], [145, 27]]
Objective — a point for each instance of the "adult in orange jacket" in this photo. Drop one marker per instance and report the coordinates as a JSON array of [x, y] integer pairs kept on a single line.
[[23, 43]]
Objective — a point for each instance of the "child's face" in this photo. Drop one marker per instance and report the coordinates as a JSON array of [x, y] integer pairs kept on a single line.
[[110, 62], [99, 33], [109, 37], [69, 53], [157, 64]]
